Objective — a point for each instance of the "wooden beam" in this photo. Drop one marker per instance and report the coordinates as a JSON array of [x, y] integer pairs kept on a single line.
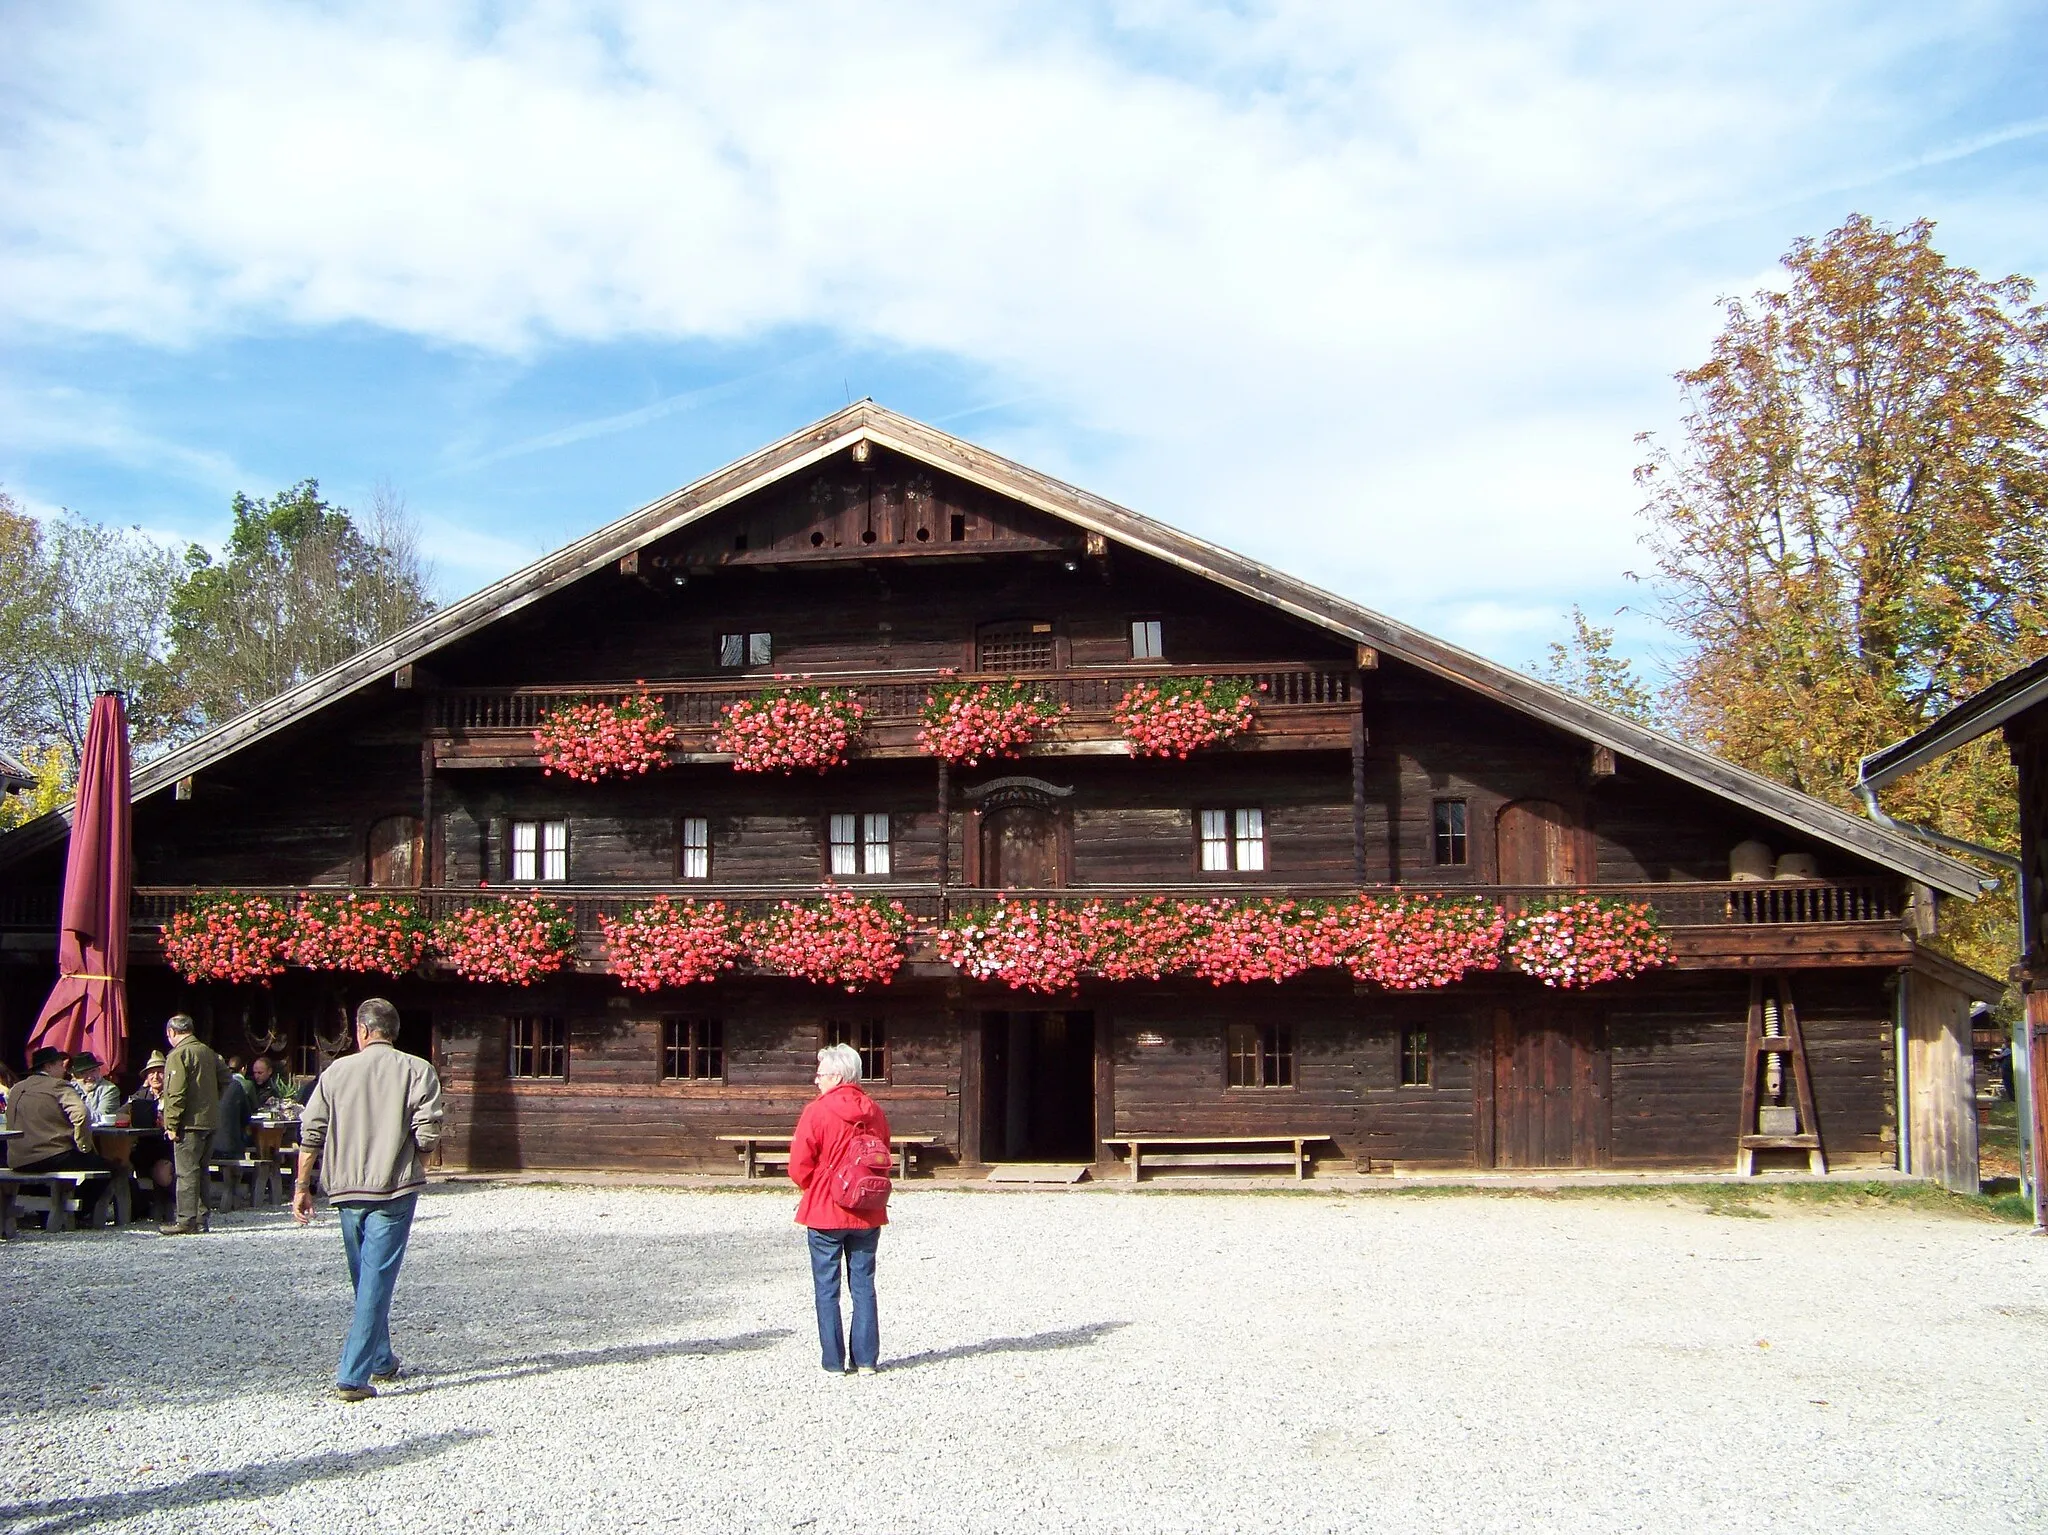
[[1602, 764], [1368, 659], [1358, 793], [629, 564], [402, 678], [184, 789]]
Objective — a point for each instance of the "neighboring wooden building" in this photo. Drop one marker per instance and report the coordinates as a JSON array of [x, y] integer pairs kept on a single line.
[[884, 554], [14, 778], [2018, 706]]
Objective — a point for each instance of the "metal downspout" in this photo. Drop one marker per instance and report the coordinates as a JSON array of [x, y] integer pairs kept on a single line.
[[1985, 882]]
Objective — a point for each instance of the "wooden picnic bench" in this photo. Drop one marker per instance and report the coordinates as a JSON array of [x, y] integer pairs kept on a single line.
[[1288, 1149], [764, 1151], [57, 1201]]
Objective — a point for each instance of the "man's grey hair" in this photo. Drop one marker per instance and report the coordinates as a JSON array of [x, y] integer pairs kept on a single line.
[[841, 1063], [181, 1023], [378, 1019]]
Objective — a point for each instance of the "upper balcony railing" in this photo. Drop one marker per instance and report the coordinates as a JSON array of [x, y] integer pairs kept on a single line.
[[1301, 705], [1677, 904]]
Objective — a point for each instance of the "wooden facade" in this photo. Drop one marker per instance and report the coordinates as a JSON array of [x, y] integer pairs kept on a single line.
[[874, 553]]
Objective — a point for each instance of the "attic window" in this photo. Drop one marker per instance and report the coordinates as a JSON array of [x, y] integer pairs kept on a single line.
[[1024, 647], [742, 650]]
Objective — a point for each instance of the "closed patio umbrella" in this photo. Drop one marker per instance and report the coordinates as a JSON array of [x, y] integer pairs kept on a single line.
[[88, 1009]]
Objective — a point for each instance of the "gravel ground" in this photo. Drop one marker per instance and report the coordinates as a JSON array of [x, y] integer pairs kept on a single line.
[[624, 1359]]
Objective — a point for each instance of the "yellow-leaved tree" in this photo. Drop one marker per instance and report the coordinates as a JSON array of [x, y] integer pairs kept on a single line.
[[1853, 534]]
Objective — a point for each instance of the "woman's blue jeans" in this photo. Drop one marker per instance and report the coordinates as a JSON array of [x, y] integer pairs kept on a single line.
[[374, 1237], [856, 1249]]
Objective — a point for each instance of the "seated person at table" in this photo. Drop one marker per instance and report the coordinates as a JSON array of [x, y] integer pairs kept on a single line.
[[101, 1094], [232, 1138], [56, 1132], [152, 1155], [271, 1091]]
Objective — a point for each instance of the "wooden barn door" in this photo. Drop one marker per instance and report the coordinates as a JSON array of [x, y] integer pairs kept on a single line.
[[1538, 842], [1550, 1089], [1020, 849]]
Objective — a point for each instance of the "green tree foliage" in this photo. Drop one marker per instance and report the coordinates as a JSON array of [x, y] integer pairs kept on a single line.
[[302, 586], [1853, 534], [1585, 664]]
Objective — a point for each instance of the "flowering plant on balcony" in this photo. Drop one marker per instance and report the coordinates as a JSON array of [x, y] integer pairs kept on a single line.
[[1416, 943], [1138, 940], [595, 740], [1027, 945], [671, 943], [965, 724], [1234, 942], [511, 942], [844, 940], [785, 730], [367, 933], [1179, 715], [228, 937], [1584, 940]]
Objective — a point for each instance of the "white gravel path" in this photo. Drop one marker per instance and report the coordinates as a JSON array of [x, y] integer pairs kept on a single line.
[[633, 1359]]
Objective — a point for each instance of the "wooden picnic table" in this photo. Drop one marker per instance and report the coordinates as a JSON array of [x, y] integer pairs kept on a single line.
[[1219, 1151], [759, 1150]]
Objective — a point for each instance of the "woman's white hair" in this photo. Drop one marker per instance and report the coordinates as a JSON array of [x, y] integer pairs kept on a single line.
[[839, 1062]]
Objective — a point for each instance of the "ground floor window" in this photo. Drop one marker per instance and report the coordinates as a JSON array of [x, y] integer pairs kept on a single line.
[[871, 1038], [1415, 1058], [540, 1047], [692, 1050], [1260, 1055]]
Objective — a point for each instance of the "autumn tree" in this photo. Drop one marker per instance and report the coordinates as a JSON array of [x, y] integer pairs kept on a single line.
[[1853, 534], [302, 586], [1586, 663]]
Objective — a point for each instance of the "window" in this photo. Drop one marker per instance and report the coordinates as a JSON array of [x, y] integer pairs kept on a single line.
[[695, 848], [740, 650], [692, 1050], [540, 1047], [1415, 1058], [871, 1039], [1232, 840], [1145, 644], [1450, 831], [860, 844], [540, 851], [1261, 1055], [1024, 647]]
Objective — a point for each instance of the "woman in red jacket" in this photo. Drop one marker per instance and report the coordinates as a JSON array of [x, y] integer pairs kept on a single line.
[[837, 1234]]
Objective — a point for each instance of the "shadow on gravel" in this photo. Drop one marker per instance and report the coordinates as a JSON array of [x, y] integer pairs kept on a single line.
[[1036, 1343], [583, 1358], [262, 1480]]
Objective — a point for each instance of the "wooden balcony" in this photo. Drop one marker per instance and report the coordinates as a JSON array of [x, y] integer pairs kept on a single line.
[[1302, 708], [1711, 925]]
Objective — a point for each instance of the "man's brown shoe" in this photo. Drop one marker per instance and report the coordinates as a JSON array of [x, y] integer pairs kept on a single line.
[[354, 1393], [177, 1229]]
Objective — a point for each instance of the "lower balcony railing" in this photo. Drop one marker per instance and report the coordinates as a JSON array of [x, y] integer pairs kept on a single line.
[[1794, 903]]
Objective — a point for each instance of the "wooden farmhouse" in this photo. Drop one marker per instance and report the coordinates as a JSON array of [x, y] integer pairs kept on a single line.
[[876, 555], [2017, 707]]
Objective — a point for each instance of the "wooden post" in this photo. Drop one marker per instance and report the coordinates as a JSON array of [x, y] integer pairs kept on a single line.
[[1105, 1084], [945, 832], [1358, 791], [430, 841], [2037, 1062]]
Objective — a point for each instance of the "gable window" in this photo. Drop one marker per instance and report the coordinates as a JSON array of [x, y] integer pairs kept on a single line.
[[540, 851], [742, 650], [695, 848], [870, 1038], [539, 1047], [1025, 647], [1145, 641], [1415, 1058], [692, 1050], [1260, 1055], [1449, 819], [860, 844], [1232, 840]]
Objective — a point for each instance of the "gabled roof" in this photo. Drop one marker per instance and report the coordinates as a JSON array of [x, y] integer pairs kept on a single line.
[[1983, 711], [914, 440], [13, 775]]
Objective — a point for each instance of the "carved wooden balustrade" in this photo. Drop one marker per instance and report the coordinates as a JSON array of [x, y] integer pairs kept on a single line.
[[1301, 706]]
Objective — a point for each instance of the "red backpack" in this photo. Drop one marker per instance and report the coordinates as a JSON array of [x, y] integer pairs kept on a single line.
[[860, 1178]]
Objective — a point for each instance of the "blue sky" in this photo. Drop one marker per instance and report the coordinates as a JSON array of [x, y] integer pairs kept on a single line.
[[1380, 296]]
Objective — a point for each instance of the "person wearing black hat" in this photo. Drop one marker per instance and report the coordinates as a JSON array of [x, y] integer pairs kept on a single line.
[[102, 1095], [56, 1129]]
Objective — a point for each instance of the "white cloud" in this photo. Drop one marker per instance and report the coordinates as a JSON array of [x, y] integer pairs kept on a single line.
[[1399, 282]]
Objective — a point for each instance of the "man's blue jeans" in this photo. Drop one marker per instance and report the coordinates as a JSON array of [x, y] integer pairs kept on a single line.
[[374, 1237], [857, 1249]]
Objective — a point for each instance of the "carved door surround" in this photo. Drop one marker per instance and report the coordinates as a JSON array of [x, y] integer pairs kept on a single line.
[[1020, 834]]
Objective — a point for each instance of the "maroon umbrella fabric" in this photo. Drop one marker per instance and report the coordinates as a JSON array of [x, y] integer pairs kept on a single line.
[[88, 1009]]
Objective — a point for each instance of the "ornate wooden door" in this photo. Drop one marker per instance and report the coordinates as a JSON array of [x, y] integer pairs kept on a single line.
[[1539, 843], [1550, 1090], [396, 854], [1020, 848]]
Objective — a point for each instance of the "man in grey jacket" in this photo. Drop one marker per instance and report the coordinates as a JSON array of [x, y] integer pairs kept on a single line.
[[370, 1117]]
